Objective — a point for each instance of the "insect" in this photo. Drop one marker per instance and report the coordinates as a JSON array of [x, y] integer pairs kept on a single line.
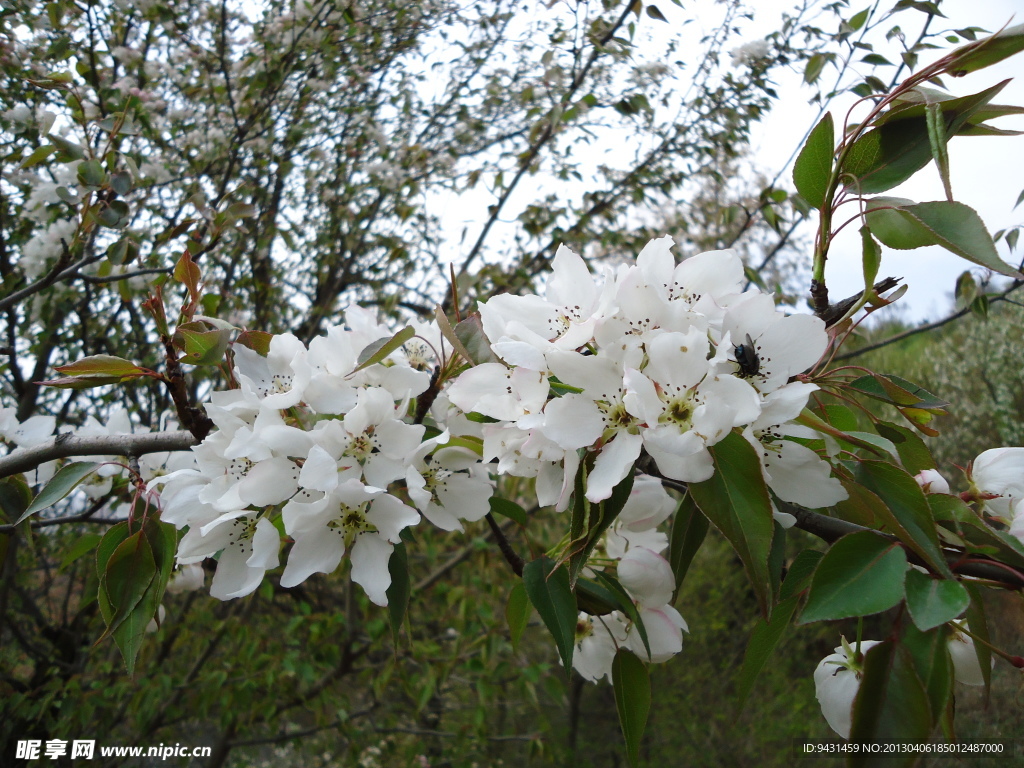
[[747, 359]]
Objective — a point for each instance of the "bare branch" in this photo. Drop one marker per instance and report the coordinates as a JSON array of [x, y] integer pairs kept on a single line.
[[63, 446]]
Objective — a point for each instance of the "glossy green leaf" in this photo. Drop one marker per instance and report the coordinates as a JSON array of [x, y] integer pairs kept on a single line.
[[632, 687], [202, 347], [59, 486], [907, 503], [937, 139], [930, 657], [956, 227], [689, 527], [517, 613], [812, 171], [127, 574], [891, 705], [871, 257], [91, 173], [861, 574], [913, 451], [897, 146], [764, 638], [399, 591], [800, 572], [257, 341], [509, 509], [988, 51], [897, 391], [101, 364], [736, 500], [470, 332], [381, 348], [975, 531], [623, 602], [547, 586], [932, 602]]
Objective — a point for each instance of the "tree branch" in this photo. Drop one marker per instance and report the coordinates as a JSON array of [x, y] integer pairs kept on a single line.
[[63, 446]]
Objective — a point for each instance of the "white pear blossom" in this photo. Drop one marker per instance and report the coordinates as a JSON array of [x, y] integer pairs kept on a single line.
[[836, 682]]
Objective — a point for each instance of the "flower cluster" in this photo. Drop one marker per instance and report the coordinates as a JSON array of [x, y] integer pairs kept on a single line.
[[633, 545], [655, 357], [309, 444]]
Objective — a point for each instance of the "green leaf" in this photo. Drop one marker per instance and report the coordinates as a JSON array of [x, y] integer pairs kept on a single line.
[[122, 251], [954, 226], [912, 449], [111, 540], [126, 576], [509, 509], [689, 527], [861, 574], [130, 633], [813, 69], [547, 586], [91, 173], [107, 365], [399, 591], [976, 533], [38, 155], [800, 573], [897, 391], [116, 214], [598, 518], [121, 182], [449, 334], [60, 485], [593, 599], [470, 332], [381, 348], [933, 602], [654, 13], [632, 687], [257, 341], [903, 497], [898, 144], [763, 641], [871, 257], [891, 705], [517, 613], [623, 601], [69, 151], [930, 656], [812, 171], [938, 140], [15, 496], [988, 51], [202, 347], [736, 500]]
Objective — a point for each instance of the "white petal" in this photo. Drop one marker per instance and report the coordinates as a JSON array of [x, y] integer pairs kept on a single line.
[[370, 556]]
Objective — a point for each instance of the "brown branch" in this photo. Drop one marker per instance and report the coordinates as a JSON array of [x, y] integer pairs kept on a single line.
[[511, 556], [63, 446]]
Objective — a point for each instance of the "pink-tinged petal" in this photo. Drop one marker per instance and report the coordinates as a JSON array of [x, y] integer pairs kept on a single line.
[[572, 421], [931, 481], [317, 551], [648, 506], [370, 556], [647, 576], [612, 465], [664, 628]]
